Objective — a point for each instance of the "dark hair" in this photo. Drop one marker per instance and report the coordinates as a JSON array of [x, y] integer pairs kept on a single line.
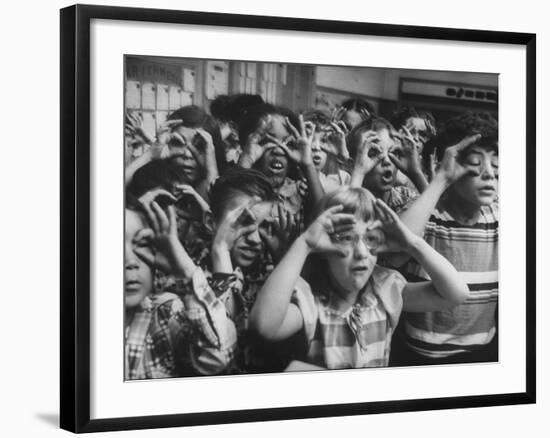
[[353, 139], [318, 117], [400, 117], [358, 104], [156, 173], [252, 116], [288, 113], [238, 180], [250, 120], [232, 108], [193, 116], [464, 125]]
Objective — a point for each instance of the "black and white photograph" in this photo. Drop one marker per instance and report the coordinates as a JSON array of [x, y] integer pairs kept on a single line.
[[286, 217], [275, 219]]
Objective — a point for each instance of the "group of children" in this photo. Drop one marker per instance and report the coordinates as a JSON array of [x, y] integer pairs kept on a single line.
[[259, 240]]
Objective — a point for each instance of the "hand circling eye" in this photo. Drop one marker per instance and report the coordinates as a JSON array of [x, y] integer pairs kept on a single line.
[[397, 152], [374, 152]]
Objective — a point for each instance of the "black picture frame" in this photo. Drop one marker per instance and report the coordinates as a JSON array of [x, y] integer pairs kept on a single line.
[[75, 216]]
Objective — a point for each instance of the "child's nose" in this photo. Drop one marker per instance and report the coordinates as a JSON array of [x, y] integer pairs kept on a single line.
[[254, 237], [130, 259], [385, 159], [488, 170], [360, 250]]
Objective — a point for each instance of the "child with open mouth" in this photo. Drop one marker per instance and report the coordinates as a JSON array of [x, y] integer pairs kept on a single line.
[[348, 312], [376, 153]]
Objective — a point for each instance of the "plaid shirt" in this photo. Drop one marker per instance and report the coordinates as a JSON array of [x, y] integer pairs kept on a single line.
[[170, 336], [232, 295], [359, 337]]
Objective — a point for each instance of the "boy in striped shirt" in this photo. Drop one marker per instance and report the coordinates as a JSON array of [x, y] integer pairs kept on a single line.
[[458, 216]]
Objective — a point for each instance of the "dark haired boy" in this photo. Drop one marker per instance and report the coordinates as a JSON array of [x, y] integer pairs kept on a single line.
[[458, 216], [235, 263], [242, 207]]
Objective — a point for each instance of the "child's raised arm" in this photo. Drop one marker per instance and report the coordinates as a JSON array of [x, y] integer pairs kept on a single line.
[[157, 150], [233, 226], [205, 154], [450, 170], [364, 163], [301, 155], [407, 159], [204, 336], [169, 256], [273, 316], [446, 288]]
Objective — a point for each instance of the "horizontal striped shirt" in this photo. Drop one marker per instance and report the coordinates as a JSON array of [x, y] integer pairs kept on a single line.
[[359, 337], [473, 251]]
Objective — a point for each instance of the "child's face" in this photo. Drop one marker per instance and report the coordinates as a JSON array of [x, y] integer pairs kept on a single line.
[[274, 162], [138, 275], [382, 178], [479, 189], [249, 248], [417, 127], [351, 272], [183, 157], [319, 145], [352, 118]]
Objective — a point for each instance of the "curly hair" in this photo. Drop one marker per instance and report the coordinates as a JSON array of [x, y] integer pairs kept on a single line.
[[317, 117], [400, 117], [353, 139], [357, 104], [231, 108], [467, 124]]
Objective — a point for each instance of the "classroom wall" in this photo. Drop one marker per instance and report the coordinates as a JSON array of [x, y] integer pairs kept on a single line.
[[383, 83], [364, 81], [381, 87], [392, 77]]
